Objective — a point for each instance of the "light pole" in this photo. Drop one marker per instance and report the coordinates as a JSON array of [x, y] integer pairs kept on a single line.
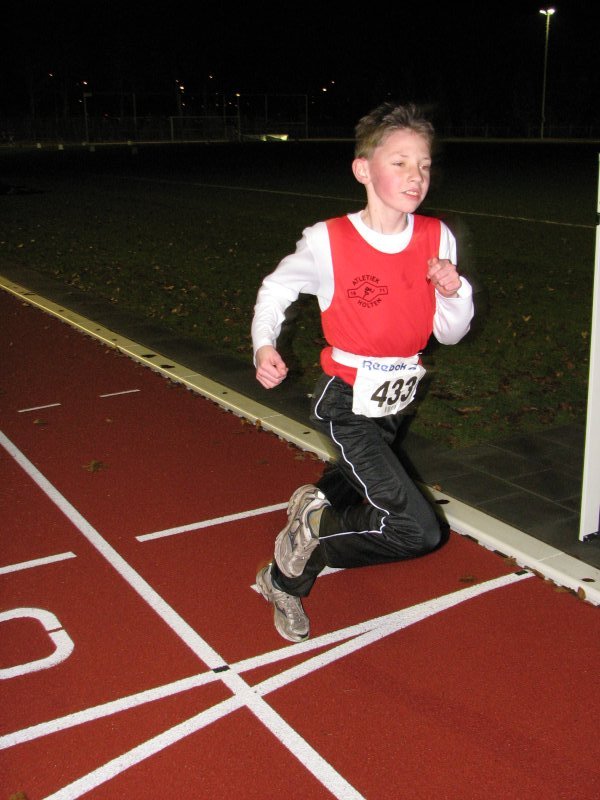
[[85, 116], [85, 95], [547, 12]]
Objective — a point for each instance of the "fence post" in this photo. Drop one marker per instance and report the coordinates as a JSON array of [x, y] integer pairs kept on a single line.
[[590, 491]]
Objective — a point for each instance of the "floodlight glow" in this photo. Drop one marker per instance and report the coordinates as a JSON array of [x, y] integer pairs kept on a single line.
[[547, 12]]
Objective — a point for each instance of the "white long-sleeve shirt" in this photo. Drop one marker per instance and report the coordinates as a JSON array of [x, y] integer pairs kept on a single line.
[[309, 270]]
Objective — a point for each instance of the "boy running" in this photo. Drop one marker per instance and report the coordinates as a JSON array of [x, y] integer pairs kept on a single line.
[[385, 279]]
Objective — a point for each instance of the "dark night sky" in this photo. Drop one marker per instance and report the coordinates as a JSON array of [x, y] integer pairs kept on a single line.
[[473, 61]]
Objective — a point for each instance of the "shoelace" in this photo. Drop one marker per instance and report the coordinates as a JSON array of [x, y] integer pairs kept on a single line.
[[289, 604]]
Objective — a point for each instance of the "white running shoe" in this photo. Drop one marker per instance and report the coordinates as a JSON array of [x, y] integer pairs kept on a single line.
[[295, 543], [288, 615]]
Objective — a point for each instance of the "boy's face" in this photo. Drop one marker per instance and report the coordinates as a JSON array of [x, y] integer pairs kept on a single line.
[[397, 175]]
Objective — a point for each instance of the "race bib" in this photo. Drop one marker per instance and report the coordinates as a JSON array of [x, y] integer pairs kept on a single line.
[[385, 386]]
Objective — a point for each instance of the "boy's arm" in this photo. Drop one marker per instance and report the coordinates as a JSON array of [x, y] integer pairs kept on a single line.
[[453, 315], [453, 293], [296, 273]]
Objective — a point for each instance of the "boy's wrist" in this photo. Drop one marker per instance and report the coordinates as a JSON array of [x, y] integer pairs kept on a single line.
[[464, 291]]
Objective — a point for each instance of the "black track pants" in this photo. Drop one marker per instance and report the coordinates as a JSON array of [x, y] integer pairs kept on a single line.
[[377, 513]]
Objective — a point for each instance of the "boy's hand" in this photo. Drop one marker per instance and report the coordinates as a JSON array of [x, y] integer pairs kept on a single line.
[[270, 367], [444, 276]]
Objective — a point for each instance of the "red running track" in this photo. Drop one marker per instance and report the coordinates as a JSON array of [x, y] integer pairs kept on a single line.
[[137, 660]]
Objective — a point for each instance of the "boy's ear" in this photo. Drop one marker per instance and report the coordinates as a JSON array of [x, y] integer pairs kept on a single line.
[[360, 168]]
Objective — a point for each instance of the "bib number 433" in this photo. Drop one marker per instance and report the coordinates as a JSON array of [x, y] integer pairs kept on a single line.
[[398, 393], [377, 395]]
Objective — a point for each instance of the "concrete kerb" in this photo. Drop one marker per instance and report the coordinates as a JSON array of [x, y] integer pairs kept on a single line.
[[547, 562]]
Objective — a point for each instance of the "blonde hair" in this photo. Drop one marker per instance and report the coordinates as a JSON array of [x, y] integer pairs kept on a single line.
[[376, 126]]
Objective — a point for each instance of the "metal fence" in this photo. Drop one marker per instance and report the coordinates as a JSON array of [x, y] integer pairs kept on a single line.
[[236, 127]]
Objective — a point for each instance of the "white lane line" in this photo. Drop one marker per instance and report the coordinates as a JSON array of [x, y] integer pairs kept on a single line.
[[117, 394], [36, 562], [366, 633], [286, 735], [154, 600], [510, 218], [56, 405], [360, 202], [331, 779], [207, 523], [361, 634], [395, 621], [306, 755], [38, 408], [106, 709], [107, 771]]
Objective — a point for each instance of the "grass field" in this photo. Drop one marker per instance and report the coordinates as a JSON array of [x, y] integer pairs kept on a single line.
[[185, 234]]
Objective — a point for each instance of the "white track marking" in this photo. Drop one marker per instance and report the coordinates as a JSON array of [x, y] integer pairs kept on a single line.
[[510, 218], [117, 394], [106, 709], [393, 622], [56, 405], [36, 562], [308, 757], [38, 408], [148, 748], [361, 202], [366, 633], [286, 735], [156, 602], [353, 638], [63, 644], [361, 634], [207, 523], [331, 779]]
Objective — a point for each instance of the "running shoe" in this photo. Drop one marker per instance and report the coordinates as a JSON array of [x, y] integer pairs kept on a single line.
[[288, 615], [295, 543]]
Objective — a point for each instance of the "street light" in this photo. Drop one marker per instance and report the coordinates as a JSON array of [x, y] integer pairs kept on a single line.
[[547, 12]]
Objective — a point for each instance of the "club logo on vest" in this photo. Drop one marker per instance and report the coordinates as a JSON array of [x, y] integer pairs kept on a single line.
[[367, 291]]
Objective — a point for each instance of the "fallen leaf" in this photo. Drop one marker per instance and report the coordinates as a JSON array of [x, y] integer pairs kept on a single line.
[[95, 466]]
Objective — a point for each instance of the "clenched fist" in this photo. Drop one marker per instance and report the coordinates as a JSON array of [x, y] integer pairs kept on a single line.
[[270, 367], [444, 276]]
